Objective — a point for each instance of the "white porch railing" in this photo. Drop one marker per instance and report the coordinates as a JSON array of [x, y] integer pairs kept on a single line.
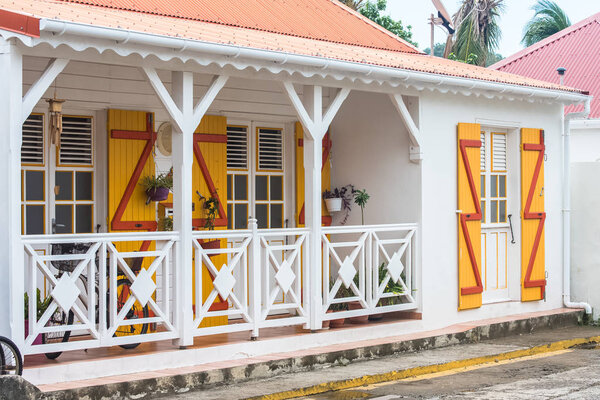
[[368, 270], [108, 289], [244, 280]]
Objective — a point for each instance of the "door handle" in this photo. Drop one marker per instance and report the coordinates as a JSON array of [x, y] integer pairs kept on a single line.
[[55, 225], [512, 234]]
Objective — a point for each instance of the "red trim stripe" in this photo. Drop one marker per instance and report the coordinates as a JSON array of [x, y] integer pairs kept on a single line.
[[19, 23], [464, 217], [527, 214]]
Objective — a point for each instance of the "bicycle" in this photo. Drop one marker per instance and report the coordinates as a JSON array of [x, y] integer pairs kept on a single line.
[[123, 293], [11, 361]]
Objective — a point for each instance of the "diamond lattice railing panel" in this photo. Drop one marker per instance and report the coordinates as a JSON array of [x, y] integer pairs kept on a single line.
[[143, 287], [395, 267], [347, 272], [224, 282], [285, 276], [65, 292]]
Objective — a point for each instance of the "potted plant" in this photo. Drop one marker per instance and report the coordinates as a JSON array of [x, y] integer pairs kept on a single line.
[[211, 206], [339, 199], [41, 307], [361, 197], [166, 224], [391, 287], [337, 307], [157, 187]]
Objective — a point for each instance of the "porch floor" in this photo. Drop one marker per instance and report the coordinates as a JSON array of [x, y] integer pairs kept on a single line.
[[78, 369]]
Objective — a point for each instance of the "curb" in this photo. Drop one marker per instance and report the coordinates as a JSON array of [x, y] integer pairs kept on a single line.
[[425, 370], [198, 381]]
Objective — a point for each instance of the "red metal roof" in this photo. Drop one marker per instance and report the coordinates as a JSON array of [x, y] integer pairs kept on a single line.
[[327, 20], [576, 48], [263, 40]]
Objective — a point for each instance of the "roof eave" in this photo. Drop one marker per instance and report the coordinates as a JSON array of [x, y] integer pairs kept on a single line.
[[124, 42]]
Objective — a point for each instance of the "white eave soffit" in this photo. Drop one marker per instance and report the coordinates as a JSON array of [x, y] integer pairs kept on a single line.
[[81, 37]]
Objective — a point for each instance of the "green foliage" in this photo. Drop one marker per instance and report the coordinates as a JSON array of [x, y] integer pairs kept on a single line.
[[361, 197], [493, 58], [478, 32], [41, 307], [471, 58], [166, 224], [211, 205], [159, 181], [374, 11], [345, 193], [548, 19], [438, 49]]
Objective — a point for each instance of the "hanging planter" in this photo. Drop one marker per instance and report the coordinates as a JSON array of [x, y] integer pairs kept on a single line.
[[334, 204], [158, 187], [158, 194]]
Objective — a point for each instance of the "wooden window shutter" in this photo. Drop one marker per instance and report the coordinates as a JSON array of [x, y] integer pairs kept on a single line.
[[325, 176], [469, 223], [76, 141], [533, 280], [131, 138], [209, 173]]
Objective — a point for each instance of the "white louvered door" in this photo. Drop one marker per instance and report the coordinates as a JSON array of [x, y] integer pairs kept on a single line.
[[58, 178], [256, 179], [495, 232]]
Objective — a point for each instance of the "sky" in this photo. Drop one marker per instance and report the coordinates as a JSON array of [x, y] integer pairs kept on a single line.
[[516, 15]]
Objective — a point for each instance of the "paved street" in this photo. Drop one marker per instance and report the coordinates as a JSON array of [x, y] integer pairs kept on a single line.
[[567, 374]]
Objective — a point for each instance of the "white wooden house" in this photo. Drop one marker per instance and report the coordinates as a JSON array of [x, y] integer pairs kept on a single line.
[[262, 109]]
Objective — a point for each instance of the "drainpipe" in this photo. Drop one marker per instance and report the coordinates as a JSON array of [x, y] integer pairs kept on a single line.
[[567, 201]]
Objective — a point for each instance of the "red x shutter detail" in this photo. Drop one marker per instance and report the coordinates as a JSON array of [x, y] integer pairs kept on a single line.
[[541, 216], [464, 217]]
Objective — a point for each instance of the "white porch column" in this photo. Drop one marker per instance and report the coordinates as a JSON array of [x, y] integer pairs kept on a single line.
[[11, 249], [310, 113], [185, 119]]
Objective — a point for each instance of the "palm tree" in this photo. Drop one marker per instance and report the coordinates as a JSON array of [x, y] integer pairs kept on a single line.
[[478, 33], [548, 19], [354, 4]]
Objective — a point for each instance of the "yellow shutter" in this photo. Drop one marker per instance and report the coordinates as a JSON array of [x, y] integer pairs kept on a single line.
[[209, 176], [533, 218], [469, 218], [131, 140], [325, 175]]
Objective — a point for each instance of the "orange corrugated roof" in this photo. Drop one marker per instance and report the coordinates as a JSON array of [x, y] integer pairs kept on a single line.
[[326, 20], [259, 39]]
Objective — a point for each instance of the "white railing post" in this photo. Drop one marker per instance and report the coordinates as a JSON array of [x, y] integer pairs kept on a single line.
[[102, 293], [255, 268], [12, 284]]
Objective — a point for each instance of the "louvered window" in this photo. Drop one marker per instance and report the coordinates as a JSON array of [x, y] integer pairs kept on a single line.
[[32, 150], [499, 152], [270, 149], [482, 150], [237, 147], [76, 144]]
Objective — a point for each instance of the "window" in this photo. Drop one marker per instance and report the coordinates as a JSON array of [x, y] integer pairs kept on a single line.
[[270, 149], [76, 147], [258, 189], [33, 176], [494, 178]]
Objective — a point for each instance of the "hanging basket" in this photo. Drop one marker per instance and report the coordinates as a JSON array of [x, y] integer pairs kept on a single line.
[[334, 204], [158, 194]]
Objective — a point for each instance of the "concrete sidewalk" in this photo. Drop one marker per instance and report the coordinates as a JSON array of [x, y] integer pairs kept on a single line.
[[347, 361], [404, 366]]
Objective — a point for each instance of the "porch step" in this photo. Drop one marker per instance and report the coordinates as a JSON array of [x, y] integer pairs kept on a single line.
[[167, 371]]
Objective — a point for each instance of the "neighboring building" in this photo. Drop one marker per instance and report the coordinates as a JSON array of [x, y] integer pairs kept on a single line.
[[577, 49], [257, 111]]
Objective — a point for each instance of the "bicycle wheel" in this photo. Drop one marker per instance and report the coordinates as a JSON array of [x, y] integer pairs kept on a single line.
[[136, 312], [11, 361], [58, 318]]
